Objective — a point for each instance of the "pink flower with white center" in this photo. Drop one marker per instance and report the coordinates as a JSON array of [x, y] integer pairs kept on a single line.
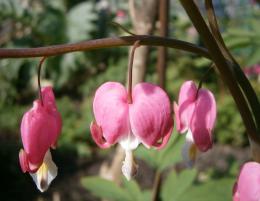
[[40, 129], [247, 187], [195, 115], [147, 119]]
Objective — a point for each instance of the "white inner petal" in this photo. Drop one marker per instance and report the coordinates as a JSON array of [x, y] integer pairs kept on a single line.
[[46, 173], [129, 142], [189, 150]]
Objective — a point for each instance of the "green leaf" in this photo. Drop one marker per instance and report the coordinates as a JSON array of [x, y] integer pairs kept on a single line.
[[254, 58], [105, 189], [176, 185], [80, 21], [214, 190], [133, 189]]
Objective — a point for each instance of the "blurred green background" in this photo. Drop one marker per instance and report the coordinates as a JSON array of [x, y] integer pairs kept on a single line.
[[75, 76]]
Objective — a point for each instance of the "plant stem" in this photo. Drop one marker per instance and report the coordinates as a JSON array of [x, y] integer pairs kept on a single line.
[[55, 50], [156, 186], [241, 78], [222, 65], [39, 79], [130, 71]]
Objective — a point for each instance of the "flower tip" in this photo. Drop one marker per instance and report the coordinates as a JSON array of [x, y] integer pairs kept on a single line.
[[97, 135], [129, 167], [23, 161]]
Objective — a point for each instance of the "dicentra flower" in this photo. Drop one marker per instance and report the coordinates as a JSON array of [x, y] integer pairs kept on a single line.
[[147, 119], [247, 187], [40, 128], [195, 115]]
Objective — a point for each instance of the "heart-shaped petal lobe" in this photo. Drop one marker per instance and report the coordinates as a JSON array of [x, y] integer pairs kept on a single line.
[[203, 119], [111, 111], [150, 115]]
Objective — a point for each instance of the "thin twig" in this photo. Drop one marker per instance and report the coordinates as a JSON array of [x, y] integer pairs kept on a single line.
[[55, 50], [122, 27]]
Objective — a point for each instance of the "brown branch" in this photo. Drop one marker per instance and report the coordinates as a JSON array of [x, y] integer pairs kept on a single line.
[[55, 50]]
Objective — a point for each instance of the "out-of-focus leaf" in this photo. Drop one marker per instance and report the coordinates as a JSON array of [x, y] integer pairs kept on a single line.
[[254, 58], [176, 185], [214, 190], [133, 190], [105, 189], [80, 21]]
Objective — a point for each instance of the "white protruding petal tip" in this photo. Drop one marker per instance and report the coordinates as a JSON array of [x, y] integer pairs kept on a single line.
[[189, 151], [129, 167], [46, 173]]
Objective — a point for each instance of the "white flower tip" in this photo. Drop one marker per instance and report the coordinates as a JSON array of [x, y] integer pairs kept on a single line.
[[45, 174], [129, 167], [189, 152]]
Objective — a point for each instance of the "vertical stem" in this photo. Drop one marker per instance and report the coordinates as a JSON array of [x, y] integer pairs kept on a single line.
[[156, 186], [39, 78], [223, 66], [162, 51], [130, 71]]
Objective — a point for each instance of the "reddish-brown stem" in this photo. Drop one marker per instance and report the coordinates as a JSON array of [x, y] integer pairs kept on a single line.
[[55, 50], [130, 71], [39, 79]]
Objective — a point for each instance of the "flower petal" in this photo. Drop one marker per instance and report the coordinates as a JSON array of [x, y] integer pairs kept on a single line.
[[184, 111], [150, 114], [111, 111], [203, 120], [38, 131], [97, 135], [248, 184], [189, 150], [46, 173]]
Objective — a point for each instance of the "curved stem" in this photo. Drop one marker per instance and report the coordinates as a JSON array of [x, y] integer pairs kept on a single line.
[[130, 71], [39, 79], [223, 66], [156, 186], [242, 79], [55, 50], [203, 78]]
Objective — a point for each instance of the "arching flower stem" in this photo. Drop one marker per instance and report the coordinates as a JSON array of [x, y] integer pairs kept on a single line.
[[39, 78], [130, 71]]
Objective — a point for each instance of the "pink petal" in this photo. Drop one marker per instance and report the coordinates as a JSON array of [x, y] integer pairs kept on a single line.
[[248, 184], [97, 135], [111, 111], [38, 131], [23, 161], [184, 111], [151, 115], [50, 105], [203, 119]]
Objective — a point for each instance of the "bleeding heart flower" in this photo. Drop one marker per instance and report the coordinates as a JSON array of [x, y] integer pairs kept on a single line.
[[40, 128], [195, 114], [247, 187], [147, 119]]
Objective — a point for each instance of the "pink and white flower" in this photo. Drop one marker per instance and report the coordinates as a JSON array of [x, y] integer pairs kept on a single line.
[[147, 120], [195, 115], [40, 129]]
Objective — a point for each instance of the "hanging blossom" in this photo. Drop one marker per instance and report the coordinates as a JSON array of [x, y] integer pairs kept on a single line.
[[146, 119], [247, 187], [40, 128], [195, 115]]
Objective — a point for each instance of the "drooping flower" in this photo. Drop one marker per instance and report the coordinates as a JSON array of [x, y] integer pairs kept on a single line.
[[247, 187], [195, 115], [40, 128], [147, 119]]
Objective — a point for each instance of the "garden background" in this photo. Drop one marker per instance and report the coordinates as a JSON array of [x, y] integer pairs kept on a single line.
[[76, 76]]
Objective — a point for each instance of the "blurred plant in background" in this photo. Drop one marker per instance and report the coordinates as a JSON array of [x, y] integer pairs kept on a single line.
[[75, 76]]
